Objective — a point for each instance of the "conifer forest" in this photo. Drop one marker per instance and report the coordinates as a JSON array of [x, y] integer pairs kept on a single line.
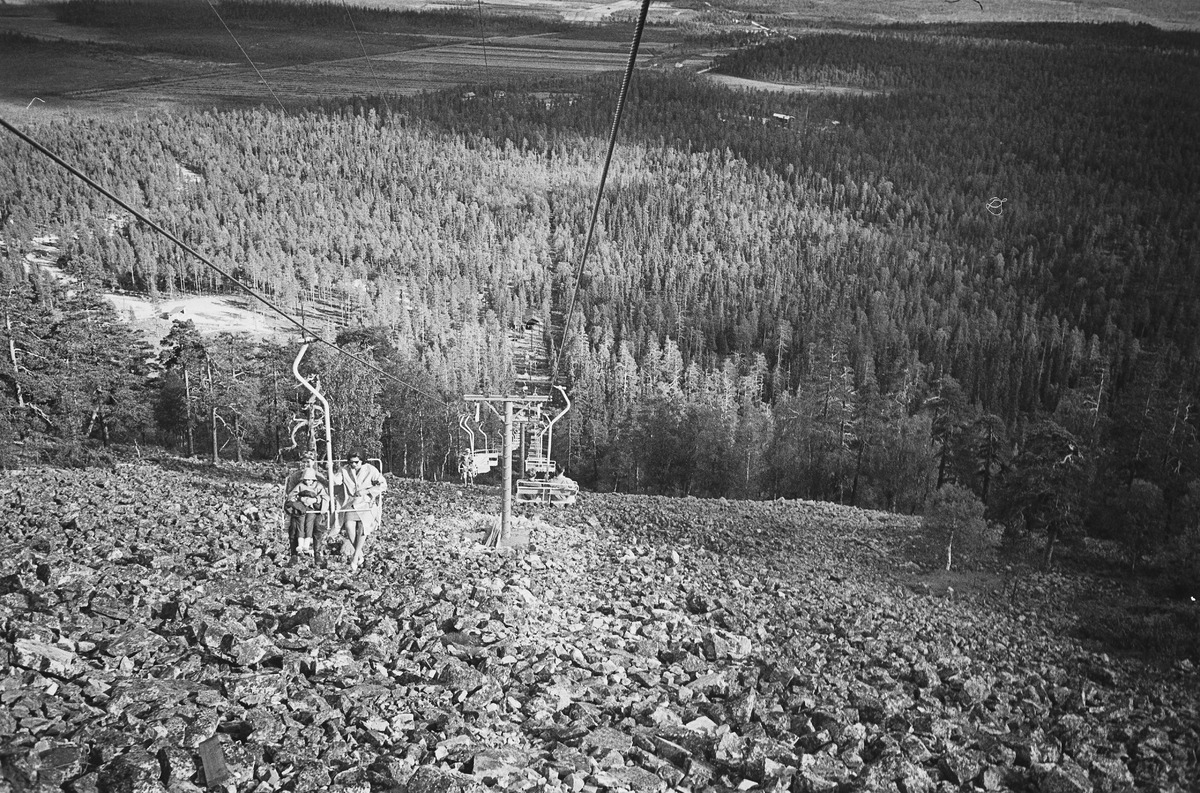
[[979, 267]]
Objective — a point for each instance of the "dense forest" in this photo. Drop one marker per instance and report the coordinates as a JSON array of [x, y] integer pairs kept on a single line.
[[979, 267]]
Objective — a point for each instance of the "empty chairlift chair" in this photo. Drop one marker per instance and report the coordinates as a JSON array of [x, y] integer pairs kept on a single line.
[[542, 482]]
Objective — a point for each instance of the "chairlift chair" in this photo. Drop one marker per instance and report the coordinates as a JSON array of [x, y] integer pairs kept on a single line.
[[322, 434], [477, 460], [539, 485]]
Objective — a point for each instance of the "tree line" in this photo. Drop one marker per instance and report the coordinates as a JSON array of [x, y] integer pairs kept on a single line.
[[125, 14]]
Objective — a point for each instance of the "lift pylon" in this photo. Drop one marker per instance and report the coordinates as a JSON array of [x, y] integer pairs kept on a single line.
[[516, 410]]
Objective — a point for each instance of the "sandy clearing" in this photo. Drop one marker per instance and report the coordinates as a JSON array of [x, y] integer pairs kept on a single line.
[[212, 314], [789, 88]]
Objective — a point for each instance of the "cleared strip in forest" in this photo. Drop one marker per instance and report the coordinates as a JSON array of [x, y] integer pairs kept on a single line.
[[790, 88]]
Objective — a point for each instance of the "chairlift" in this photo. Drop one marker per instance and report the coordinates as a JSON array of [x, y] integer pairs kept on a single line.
[[320, 433], [542, 483], [480, 456], [540, 437]]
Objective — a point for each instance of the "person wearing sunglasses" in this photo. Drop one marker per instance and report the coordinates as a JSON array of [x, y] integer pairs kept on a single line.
[[361, 488]]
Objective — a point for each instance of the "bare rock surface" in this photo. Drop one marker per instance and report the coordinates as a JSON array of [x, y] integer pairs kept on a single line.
[[636, 643]]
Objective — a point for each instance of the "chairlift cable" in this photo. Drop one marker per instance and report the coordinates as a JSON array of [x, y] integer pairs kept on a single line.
[[246, 54], [612, 144], [482, 39], [307, 332], [370, 63]]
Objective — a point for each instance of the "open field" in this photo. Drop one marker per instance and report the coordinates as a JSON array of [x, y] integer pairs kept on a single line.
[[71, 68], [403, 72]]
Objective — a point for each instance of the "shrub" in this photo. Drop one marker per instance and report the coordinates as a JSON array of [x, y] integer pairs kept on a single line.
[[954, 521], [1179, 561], [78, 454], [1163, 632]]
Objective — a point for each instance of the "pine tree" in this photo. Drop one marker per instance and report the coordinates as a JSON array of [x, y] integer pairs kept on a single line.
[[1045, 490], [954, 520], [76, 366], [182, 357]]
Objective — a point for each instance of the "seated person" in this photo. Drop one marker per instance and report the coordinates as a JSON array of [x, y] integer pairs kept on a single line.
[[361, 489], [307, 505], [307, 460], [561, 480]]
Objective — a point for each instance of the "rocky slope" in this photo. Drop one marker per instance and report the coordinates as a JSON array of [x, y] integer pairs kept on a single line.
[[151, 638]]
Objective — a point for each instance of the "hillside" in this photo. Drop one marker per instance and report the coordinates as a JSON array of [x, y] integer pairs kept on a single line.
[[635, 643], [942, 243]]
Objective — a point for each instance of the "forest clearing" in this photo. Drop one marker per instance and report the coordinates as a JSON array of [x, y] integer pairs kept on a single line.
[[153, 318], [634, 644], [787, 88]]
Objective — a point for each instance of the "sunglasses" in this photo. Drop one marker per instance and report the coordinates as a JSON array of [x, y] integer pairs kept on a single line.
[[356, 462]]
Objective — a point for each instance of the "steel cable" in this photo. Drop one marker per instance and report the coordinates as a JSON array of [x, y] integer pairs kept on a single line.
[[247, 55], [308, 333], [482, 39], [370, 64], [612, 144]]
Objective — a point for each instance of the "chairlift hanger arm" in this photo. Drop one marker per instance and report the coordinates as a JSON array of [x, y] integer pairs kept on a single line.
[[562, 412], [462, 422], [316, 394], [304, 381]]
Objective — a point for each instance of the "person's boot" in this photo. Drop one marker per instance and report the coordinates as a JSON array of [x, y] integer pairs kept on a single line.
[[318, 548]]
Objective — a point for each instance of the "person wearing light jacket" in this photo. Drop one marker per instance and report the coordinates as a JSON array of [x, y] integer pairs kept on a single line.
[[360, 489]]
